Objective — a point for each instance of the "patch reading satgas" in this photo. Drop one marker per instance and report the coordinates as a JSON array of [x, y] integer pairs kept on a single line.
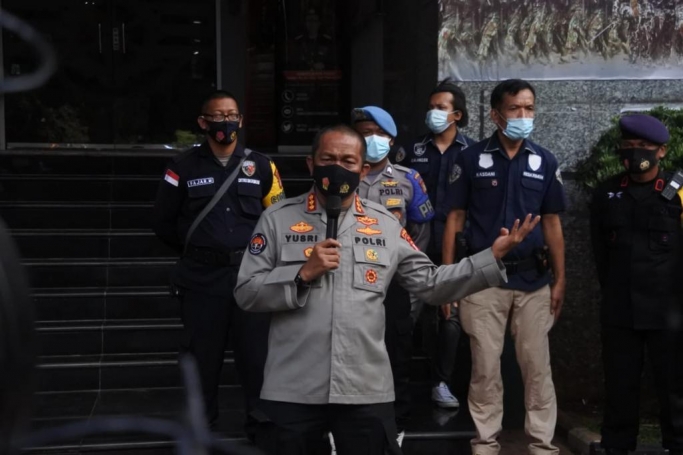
[[370, 241], [200, 182], [532, 175]]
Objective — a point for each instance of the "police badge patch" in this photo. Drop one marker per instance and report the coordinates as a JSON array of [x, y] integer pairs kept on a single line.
[[400, 155], [534, 162], [456, 172], [420, 149], [485, 160], [257, 244], [249, 168]]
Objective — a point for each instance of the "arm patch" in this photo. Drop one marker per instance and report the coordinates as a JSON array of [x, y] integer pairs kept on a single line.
[[420, 209], [276, 192]]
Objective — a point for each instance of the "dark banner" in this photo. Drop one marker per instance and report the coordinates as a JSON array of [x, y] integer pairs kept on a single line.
[[482, 40]]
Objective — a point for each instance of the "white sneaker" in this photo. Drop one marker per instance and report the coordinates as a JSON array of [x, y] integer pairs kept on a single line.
[[400, 437], [443, 397], [334, 449]]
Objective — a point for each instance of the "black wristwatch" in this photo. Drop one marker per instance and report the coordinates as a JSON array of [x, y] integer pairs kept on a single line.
[[299, 281]]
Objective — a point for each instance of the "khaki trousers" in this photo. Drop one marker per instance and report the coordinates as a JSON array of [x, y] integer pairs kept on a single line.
[[484, 317]]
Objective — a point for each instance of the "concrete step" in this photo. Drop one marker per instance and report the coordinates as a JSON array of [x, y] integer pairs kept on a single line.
[[110, 304], [88, 274], [116, 372], [90, 243]]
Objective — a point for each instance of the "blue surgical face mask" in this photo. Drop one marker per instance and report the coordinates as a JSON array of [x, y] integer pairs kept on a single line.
[[437, 121], [378, 148], [518, 128]]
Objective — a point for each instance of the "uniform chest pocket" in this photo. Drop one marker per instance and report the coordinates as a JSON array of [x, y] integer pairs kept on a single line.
[[294, 254], [532, 191], [662, 233], [488, 193], [250, 199], [200, 191], [370, 268]]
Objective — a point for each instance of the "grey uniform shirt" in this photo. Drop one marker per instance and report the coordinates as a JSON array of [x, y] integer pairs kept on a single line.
[[401, 191], [326, 341]]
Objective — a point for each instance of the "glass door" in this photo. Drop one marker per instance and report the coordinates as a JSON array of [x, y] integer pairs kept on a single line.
[[73, 108], [164, 63], [131, 73]]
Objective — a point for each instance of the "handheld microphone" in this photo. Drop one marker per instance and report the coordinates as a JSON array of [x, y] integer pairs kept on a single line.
[[333, 209]]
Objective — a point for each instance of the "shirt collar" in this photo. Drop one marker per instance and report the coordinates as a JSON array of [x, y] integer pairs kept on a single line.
[[205, 150], [313, 204], [493, 145], [459, 139]]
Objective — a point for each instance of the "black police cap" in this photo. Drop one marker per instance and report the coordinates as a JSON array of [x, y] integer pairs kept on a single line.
[[646, 127]]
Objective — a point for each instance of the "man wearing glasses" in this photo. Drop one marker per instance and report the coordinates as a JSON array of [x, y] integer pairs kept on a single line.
[[211, 244]]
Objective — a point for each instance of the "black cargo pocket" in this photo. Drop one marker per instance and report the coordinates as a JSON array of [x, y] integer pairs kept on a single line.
[[662, 234], [201, 191], [250, 199], [491, 199]]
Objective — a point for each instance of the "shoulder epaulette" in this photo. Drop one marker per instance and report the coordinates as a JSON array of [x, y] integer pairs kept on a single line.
[[403, 169]]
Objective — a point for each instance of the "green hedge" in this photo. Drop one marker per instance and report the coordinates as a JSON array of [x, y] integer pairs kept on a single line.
[[604, 163]]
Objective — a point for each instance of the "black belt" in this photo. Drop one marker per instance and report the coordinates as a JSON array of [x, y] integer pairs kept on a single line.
[[213, 257], [523, 265]]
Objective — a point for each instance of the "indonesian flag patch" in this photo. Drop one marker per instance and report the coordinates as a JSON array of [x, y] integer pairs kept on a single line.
[[171, 177]]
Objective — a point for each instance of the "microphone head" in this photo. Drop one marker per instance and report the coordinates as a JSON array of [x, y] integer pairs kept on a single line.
[[333, 206]]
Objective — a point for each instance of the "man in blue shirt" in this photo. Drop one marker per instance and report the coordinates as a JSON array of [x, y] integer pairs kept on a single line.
[[492, 183], [428, 156]]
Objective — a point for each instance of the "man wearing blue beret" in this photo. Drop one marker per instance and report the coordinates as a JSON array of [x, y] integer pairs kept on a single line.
[[637, 242], [402, 192]]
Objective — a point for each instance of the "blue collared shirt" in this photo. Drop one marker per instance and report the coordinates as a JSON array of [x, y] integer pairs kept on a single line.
[[496, 190], [425, 157]]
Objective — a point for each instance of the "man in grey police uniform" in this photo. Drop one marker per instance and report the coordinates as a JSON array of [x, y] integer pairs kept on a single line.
[[402, 191], [327, 366]]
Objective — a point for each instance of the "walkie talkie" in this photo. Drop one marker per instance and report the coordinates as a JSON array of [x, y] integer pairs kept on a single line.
[[674, 185]]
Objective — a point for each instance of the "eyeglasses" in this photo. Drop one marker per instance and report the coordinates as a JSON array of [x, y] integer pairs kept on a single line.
[[222, 117]]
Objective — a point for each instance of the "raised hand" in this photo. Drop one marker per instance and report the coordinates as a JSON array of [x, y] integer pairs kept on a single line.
[[510, 238]]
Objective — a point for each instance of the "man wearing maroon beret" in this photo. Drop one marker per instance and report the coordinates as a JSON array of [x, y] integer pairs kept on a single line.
[[637, 242]]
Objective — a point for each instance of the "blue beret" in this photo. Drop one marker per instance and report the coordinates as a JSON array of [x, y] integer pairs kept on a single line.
[[646, 127], [377, 115]]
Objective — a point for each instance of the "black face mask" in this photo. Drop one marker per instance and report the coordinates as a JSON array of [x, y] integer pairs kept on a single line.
[[223, 132], [640, 160], [335, 180]]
